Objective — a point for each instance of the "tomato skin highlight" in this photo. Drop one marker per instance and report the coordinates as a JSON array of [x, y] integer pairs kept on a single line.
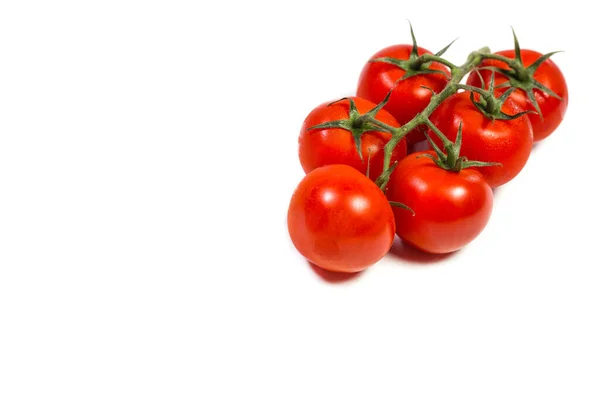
[[320, 147], [451, 209], [508, 142], [339, 220], [410, 96], [548, 74]]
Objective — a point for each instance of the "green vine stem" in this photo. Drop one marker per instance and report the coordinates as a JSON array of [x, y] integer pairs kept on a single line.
[[458, 73], [520, 77]]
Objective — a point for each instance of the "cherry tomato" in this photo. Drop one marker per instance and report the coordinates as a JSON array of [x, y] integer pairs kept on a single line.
[[339, 220], [548, 74], [319, 147], [507, 142], [451, 208], [410, 95]]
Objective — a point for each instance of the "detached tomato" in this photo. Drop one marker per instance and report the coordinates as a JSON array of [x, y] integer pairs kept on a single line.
[[410, 96], [451, 208], [328, 146], [548, 74], [507, 142], [340, 220]]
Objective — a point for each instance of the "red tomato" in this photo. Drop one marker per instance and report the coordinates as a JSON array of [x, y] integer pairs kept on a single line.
[[507, 142], [319, 147], [451, 208], [410, 96], [340, 220], [549, 75]]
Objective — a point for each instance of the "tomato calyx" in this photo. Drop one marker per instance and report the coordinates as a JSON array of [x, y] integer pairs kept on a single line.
[[521, 77], [490, 105], [356, 123], [451, 160], [416, 64]]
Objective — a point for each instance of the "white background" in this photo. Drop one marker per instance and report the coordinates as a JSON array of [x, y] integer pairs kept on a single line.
[[147, 157]]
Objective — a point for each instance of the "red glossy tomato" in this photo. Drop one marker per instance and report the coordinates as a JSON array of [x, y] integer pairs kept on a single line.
[[548, 74], [507, 142], [340, 220], [319, 147], [410, 96], [451, 208]]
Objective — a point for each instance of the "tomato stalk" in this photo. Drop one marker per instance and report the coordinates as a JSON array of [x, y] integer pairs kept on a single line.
[[458, 73]]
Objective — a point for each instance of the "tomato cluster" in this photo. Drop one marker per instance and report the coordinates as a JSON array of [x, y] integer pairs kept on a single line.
[[365, 182]]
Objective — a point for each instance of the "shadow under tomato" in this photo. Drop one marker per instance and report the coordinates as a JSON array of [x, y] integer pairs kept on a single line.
[[497, 190], [536, 146], [334, 277], [405, 252]]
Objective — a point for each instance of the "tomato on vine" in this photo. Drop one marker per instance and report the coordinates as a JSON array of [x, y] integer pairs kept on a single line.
[[451, 208], [540, 84], [402, 70], [339, 220], [340, 133], [452, 202]]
